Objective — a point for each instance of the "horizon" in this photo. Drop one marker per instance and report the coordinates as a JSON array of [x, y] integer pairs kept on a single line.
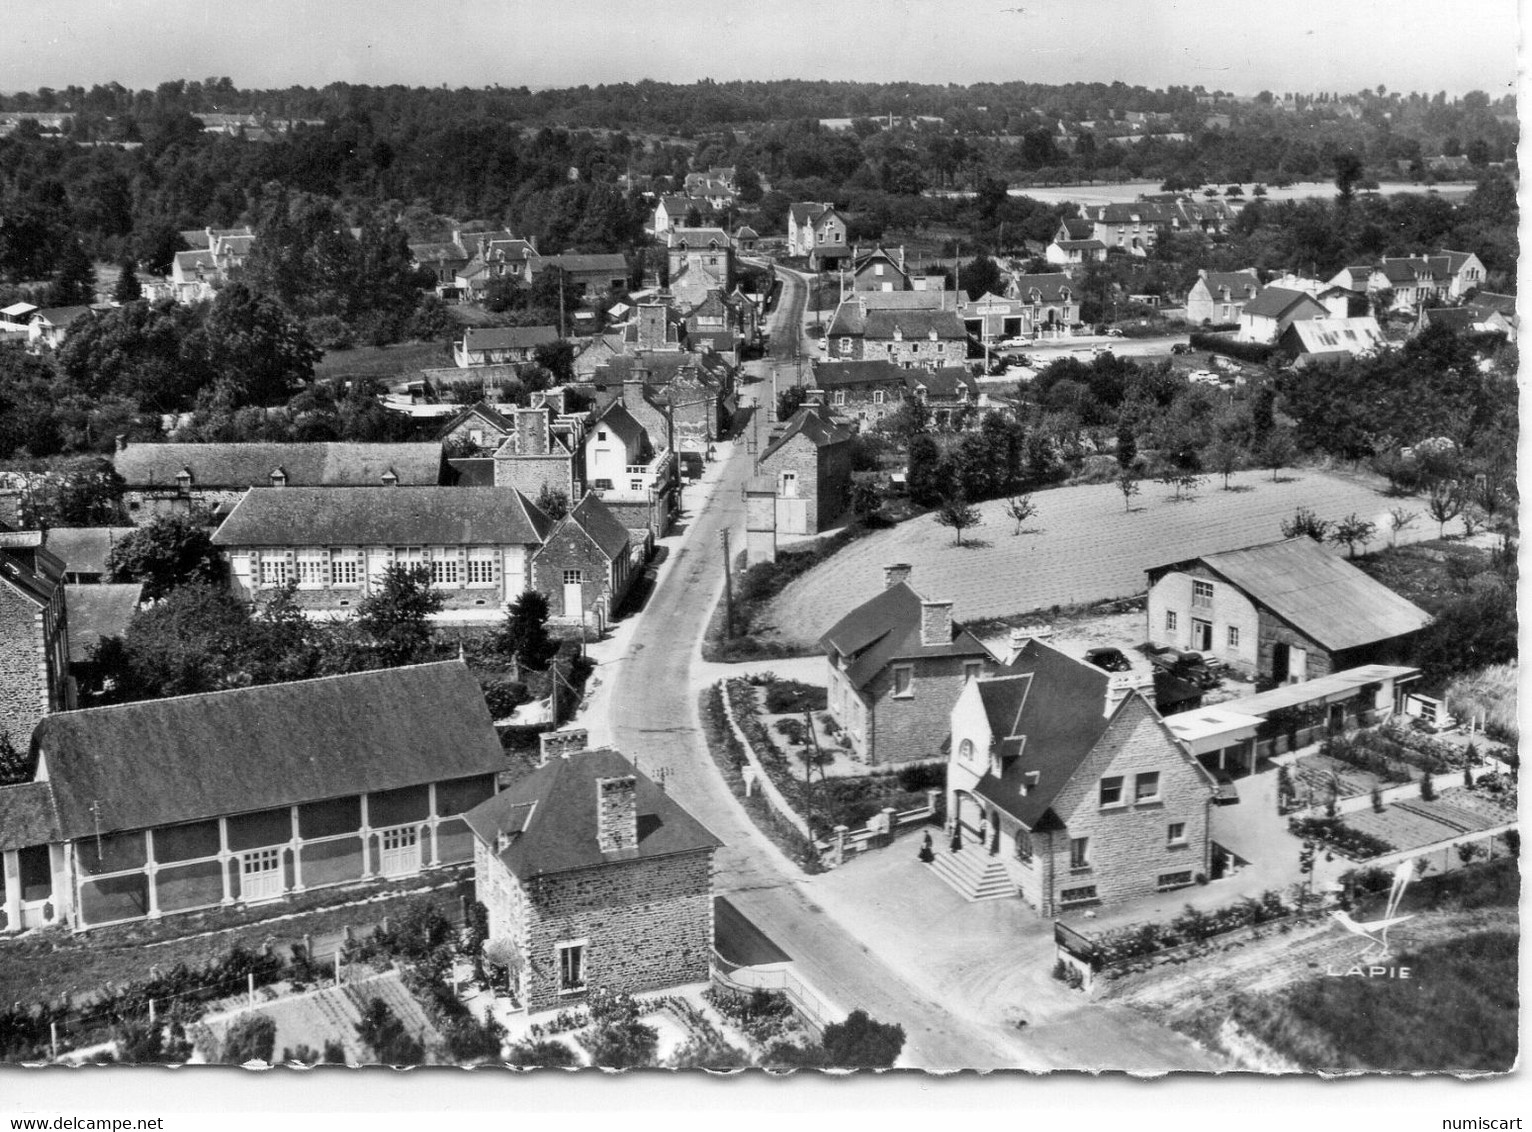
[[1312, 47]]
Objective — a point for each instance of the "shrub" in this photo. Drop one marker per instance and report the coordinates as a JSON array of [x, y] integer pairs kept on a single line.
[[862, 1043], [784, 696], [1334, 833], [543, 1054], [252, 1037], [1427, 788], [1257, 353], [793, 730], [504, 696]]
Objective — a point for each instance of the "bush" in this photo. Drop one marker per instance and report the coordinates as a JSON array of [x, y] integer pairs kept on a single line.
[[1256, 353], [862, 1043], [923, 776], [1335, 834], [252, 1037], [544, 1054], [504, 696], [784, 696], [793, 730]]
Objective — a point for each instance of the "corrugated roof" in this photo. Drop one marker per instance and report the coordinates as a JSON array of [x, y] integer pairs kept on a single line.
[[1334, 335], [550, 816], [191, 757], [97, 612], [384, 516], [886, 628], [1335, 686], [315, 464], [1319, 593]]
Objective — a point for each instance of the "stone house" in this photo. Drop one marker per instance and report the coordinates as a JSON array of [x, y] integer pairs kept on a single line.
[[908, 338], [896, 665], [1273, 310], [699, 260], [1065, 788], [593, 877], [585, 565], [810, 464], [34, 635], [633, 472], [478, 430], [246, 797], [180, 478], [544, 452], [501, 345], [1048, 303], [870, 390], [1281, 612], [816, 230], [594, 276], [1219, 297], [335, 543], [878, 270]]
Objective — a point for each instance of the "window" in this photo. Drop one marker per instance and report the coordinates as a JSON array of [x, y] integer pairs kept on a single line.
[[1023, 845], [965, 750], [877, 396], [571, 967], [636, 484], [1111, 791], [1081, 895], [1170, 620], [1202, 594], [346, 568], [845, 345], [840, 396], [311, 569], [445, 567], [601, 434], [1079, 852], [904, 680], [1146, 787], [273, 570], [877, 269], [1167, 881], [1175, 833], [1233, 636], [400, 851], [481, 566], [409, 557]]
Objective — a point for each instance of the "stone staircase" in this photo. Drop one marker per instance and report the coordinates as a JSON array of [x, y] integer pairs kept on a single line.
[[973, 873]]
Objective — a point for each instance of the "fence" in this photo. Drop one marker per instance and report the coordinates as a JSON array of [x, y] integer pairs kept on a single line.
[[881, 829], [746, 980]]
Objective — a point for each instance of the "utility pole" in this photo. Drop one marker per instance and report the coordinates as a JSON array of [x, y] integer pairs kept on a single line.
[[728, 588]]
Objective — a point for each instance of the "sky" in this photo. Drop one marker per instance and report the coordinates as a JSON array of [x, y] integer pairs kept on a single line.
[[1242, 46]]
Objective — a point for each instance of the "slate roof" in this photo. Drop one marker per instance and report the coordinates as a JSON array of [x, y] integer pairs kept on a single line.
[[28, 816], [807, 212], [617, 418], [698, 237], [1052, 287], [1356, 277], [1456, 318], [811, 423], [190, 261], [1317, 592], [914, 325], [1078, 228], [473, 471], [874, 371], [386, 516], [1046, 712], [84, 549], [485, 412], [596, 518], [1405, 270], [508, 337], [437, 252], [1489, 301], [886, 628], [942, 384], [324, 463], [601, 261], [61, 316], [1238, 283], [97, 612], [550, 816], [1080, 245], [193, 757], [1274, 302]]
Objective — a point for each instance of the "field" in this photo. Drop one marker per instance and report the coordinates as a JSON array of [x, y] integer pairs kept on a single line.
[[1130, 191], [1428, 573], [382, 361], [1086, 548]]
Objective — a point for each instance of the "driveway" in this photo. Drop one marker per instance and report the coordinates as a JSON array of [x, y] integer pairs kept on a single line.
[[1085, 549]]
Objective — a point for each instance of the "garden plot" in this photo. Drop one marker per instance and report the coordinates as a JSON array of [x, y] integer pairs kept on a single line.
[[1415, 823]]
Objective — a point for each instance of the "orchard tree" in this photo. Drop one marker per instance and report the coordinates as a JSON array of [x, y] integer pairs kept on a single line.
[[1351, 531], [1020, 508], [1444, 502], [1127, 483], [1305, 522], [956, 512]]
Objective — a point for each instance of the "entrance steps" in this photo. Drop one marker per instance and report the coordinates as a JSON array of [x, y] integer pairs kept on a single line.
[[973, 873]]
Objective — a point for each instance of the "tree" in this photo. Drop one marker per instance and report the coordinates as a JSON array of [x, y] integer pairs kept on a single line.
[[1020, 508], [955, 512], [790, 400], [259, 352], [1305, 522], [1348, 171], [980, 276], [1127, 483], [545, 1053], [1427, 787], [553, 502], [191, 641], [1127, 443], [866, 499], [384, 1034], [128, 288], [397, 615], [925, 471], [74, 281], [1351, 530], [524, 633], [1224, 458], [911, 419], [168, 551], [1398, 520], [862, 1043], [1444, 502], [1278, 451], [252, 1037]]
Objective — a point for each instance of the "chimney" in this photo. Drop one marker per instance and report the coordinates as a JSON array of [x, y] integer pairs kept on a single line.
[[561, 744], [935, 623], [532, 431], [120, 441], [1019, 639], [457, 237], [617, 813], [893, 575], [1121, 685]]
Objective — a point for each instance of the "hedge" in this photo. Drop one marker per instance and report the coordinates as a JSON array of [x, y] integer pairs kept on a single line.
[[1257, 353]]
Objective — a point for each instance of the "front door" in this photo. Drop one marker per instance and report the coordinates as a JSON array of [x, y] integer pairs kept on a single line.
[[1202, 635], [401, 851], [1281, 660], [1298, 665], [260, 875], [574, 593]]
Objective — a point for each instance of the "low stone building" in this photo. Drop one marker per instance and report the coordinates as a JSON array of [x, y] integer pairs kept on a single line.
[[1281, 612], [34, 635], [810, 464], [896, 665], [501, 345], [585, 565], [543, 452], [336, 543], [594, 878], [246, 797], [1067, 789]]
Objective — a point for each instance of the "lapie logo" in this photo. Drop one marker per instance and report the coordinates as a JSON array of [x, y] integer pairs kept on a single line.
[[1375, 932]]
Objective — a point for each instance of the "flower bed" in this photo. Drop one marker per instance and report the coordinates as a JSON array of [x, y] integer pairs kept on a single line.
[[1333, 833]]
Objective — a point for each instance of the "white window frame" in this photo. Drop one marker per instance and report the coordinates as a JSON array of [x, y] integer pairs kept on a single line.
[[446, 568], [579, 947], [1142, 779], [906, 674], [346, 567], [262, 876], [310, 566], [1170, 620], [840, 396], [1173, 838], [1112, 782], [409, 557], [273, 569], [1202, 594], [1233, 636], [878, 396], [399, 851], [574, 577], [481, 566]]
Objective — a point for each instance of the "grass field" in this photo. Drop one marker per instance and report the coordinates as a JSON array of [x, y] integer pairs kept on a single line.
[[383, 361], [1430, 573]]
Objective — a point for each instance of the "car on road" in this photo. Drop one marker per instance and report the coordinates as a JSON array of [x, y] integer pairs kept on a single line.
[[1114, 332], [1014, 343], [1110, 659]]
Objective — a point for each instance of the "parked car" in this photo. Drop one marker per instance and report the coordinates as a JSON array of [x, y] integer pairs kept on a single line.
[[1114, 332], [1192, 666], [1110, 659], [1204, 377], [1181, 348], [1014, 343]]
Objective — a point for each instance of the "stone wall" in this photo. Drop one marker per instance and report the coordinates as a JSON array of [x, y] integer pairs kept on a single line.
[[530, 474], [23, 667], [144, 503], [648, 924], [902, 728], [1274, 631], [570, 548]]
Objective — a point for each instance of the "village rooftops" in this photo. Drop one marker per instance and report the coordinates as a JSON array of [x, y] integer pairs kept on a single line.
[[547, 822], [84, 549], [1050, 287], [508, 337], [162, 762], [1274, 302], [886, 628], [311, 464], [384, 516], [1234, 282]]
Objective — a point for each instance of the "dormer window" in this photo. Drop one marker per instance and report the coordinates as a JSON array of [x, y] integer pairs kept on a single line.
[[278, 477], [184, 479], [390, 477]]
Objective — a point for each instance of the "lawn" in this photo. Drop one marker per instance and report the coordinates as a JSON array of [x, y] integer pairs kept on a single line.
[[1429, 573], [383, 361], [1085, 548]]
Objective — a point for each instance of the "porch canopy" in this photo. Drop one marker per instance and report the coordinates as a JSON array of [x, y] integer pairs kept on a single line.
[[1209, 729]]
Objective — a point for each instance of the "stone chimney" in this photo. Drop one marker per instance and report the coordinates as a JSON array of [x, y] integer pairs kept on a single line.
[[617, 813], [652, 318], [1121, 685], [1019, 639], [632, 392], [532, 431], [935, 623], [896, 573], [561, 744]]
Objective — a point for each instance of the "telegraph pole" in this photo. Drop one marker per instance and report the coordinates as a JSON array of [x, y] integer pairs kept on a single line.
[[728, 587]]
